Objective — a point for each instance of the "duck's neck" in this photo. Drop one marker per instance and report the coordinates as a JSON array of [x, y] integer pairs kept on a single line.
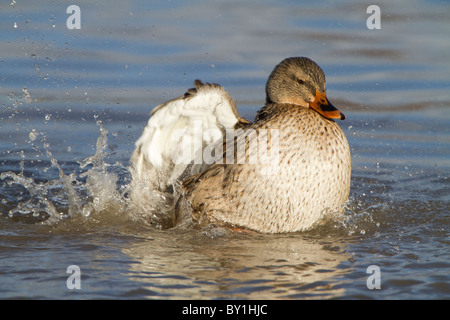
[[274, 109]]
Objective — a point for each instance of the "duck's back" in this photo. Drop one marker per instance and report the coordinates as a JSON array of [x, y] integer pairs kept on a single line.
[[295, 169]]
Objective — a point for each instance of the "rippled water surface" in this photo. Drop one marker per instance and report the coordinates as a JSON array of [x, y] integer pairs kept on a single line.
[[73, 102]]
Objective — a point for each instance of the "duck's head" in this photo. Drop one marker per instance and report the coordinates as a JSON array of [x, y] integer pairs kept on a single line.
[[300, 81]]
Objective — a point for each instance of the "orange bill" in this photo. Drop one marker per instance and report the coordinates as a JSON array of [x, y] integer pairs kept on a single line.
[[325, 108]]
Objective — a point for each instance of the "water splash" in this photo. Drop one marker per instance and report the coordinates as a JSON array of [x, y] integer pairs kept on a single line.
[[37, 206], [91, 192], [101, 183]]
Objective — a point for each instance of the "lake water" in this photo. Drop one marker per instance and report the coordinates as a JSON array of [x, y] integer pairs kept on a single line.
[[73, 102]]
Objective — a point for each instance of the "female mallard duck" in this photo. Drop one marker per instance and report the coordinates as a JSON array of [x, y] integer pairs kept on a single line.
[[284, 172]]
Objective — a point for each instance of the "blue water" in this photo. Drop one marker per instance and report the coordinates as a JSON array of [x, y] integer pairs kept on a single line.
[[73, 102]]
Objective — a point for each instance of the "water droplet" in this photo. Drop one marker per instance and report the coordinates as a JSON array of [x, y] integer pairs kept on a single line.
[[26, 95], [33, 134], [87, 210]]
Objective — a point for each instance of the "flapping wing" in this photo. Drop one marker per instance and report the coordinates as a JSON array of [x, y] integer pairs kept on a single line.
[[178, 130]]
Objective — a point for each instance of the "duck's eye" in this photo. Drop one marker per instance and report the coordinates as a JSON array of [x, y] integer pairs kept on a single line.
[[301, 81]]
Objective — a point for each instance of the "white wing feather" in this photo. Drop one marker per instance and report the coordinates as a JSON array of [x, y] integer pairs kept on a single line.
[[184, 126]]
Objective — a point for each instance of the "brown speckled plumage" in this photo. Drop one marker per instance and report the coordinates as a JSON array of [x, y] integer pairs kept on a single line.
[[312, 178]]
